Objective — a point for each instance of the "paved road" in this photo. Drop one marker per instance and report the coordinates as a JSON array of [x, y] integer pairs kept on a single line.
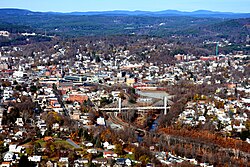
[[66, 112], [73, 143]]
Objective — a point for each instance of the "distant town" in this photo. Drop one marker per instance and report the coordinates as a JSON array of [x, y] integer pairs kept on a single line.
[[123, 101]]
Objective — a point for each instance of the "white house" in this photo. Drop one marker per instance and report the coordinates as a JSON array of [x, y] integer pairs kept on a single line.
[[109, 154], [18, 135], [80, 162], [202, 118], [16, 149], [49, 164], [100, 161], [239, 128], [65, 161], [35, 158], [105, 144], [18, 74], [56, 126], [9, 156], [101, 121], [89, 144], [7, 93], [5, 33], [111, 147], [128, 162], [19, 122], [92, 151]]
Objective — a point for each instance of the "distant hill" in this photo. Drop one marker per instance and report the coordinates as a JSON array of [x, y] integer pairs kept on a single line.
[[200, 24], [19, 12], [198, 13], [234, 30]]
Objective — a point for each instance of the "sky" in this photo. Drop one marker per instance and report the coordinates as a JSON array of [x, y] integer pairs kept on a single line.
[[239, 6]]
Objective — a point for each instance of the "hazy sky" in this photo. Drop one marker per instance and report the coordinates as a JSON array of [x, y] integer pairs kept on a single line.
[[147, 5]]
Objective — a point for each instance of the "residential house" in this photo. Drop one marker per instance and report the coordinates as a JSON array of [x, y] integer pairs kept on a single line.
[[9, 156], [109, 154], [111, 147], [105, 144], [92, 151], [88, 144], [49, 164], [16, 149], [5, 164], [123, 162], [81, 162], [102, 161], [64, 161], [35, 158], [19, 122], [55, 126]]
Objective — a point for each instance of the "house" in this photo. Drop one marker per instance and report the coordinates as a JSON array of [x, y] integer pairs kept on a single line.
[[116, 94], [5, 164], [16, 149], [123, 162], [88, 144], [35, 158], [105, 144], [161, 155], [55, 126], [9, 156], [202, 118], [100, 121], [100, 161], [18, 135], [7, 93], [64, 161], [5, 33], [48, 138], [92, 151], [49, 164], [109, 154], [54, 164], [12, 147], [42, 126], [193, 161], [111, 147], [81, 162], [85, 119], [19, 122], [239, 128]]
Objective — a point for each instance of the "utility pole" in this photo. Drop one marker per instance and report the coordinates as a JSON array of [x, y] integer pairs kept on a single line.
[[165, 105], [120, 104]]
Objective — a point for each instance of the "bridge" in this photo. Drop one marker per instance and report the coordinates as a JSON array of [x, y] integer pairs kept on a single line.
[[133, 108], [120, 108]]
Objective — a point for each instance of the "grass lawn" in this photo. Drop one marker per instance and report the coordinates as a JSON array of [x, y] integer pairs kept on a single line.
[[41, 142], [130, 156], [64, 143], [56, 142]]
